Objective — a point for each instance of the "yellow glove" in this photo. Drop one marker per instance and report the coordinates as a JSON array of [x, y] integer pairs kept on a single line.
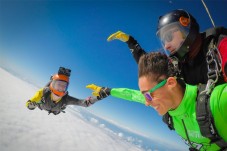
[[118, 35], [95, 88], [99, 92]]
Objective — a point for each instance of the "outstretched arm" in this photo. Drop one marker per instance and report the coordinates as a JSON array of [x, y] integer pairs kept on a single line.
[[32, 103], [133, 45], [123, 93], [81, 102], [98, 94]]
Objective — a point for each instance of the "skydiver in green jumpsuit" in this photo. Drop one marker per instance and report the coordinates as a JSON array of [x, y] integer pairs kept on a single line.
[[163, 91]]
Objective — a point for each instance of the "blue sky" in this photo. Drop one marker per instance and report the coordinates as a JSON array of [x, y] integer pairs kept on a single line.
[[38, 36]]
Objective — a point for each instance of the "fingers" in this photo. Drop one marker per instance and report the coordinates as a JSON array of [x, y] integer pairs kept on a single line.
[[95, 88], [113, 36], [90, 86], [118, 35], [95, 93]]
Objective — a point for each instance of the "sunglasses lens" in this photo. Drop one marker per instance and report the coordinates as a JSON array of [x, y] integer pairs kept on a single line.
[[148, 96]]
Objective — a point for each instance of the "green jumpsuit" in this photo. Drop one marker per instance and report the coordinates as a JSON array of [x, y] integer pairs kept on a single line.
[[185, 113]]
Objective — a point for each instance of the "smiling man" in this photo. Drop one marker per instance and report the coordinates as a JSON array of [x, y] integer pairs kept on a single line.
[[166, 93], [169, 95]]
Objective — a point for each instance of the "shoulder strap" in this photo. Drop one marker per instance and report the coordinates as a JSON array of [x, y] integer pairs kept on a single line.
[[205, 118], [215, 32], [168, 120], [213, 56]]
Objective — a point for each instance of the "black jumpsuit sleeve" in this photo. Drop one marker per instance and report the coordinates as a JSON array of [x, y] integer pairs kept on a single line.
[[135, 49], [81, 102]]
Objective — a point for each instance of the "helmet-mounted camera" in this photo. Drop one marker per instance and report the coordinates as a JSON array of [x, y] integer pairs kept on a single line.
[[64, 71]]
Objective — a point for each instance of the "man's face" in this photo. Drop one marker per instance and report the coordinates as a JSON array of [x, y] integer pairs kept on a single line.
[[172, 37], [172, 40], [159, 101], [60, 85]]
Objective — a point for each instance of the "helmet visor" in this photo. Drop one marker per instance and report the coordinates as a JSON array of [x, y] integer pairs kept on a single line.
[[59, 85], [172, 36]]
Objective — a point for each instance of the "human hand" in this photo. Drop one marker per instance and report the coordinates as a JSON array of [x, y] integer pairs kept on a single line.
[[31, 105], [96, 89], [119, 35], [100, 92]]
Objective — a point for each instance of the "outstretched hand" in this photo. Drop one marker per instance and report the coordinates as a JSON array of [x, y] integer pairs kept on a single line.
[[95, 88], [100, 92], [31, 105], [118, 35]]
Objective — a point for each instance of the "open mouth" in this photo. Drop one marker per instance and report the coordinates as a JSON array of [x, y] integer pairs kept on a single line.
[[155, 107]]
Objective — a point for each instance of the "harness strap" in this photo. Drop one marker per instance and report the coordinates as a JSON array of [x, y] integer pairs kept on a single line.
[[216, 31], [205, 118]]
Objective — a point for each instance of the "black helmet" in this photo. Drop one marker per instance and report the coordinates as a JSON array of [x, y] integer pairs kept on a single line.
[[183, 21]]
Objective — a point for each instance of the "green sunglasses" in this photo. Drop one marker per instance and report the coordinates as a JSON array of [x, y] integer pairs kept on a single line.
[[159, 85]]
